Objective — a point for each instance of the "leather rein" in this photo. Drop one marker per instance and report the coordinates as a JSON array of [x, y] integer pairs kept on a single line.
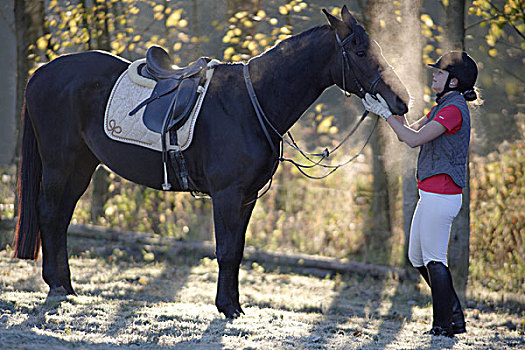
[[263, 121]]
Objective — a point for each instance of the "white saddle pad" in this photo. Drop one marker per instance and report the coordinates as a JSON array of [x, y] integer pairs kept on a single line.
[[130, 90]]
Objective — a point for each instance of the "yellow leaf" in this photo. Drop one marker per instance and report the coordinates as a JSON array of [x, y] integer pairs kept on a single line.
[[285, 30], [183, 23], [173, 19], [41, 43], [252, 46], [493, 52], [273, 21], [229, 52], [143, 281], [325, 125], [427, 20], [283, 10]]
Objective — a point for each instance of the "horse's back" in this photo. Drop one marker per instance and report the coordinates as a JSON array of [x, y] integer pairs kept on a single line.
[[95, 69]]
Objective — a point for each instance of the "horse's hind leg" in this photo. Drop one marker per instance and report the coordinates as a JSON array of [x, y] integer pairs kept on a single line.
[[61, 188]]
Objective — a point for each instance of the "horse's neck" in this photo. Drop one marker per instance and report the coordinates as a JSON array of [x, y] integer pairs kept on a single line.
[[290, 77]]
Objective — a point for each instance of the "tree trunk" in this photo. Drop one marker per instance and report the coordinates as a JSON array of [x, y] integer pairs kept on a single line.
[[100, 181], [458, 250], [411, 71], [379, 227], [393, 24], [29, 17]]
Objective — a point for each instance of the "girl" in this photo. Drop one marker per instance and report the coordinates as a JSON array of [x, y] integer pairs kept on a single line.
[[443, 136]]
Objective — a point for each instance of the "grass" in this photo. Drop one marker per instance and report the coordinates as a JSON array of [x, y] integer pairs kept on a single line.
[[126, 302]]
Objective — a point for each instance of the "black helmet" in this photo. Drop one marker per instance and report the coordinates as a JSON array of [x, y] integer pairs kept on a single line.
[[461, 66]]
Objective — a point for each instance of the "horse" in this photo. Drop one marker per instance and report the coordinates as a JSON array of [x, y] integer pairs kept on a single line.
[[231, 157]]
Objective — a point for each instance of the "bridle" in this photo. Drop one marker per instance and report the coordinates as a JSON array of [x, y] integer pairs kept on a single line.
[[263, 121], [346, 64]]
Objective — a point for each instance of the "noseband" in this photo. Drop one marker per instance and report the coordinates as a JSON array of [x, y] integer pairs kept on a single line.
[[346, 63]]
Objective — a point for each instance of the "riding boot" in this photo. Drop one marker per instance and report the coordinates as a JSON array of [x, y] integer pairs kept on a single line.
[[442, 299], [424, 273], [458, 320]]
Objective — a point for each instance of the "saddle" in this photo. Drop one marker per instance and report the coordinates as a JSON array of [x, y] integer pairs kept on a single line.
[[170, 104], [175, 93]]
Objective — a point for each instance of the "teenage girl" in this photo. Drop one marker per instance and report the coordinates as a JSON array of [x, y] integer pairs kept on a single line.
[[443, 136]]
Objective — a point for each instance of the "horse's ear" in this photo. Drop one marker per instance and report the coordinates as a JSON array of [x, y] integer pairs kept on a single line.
[[340, 27], [347, 16]]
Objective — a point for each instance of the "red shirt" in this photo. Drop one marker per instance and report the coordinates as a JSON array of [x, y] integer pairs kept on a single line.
[[450, 118]]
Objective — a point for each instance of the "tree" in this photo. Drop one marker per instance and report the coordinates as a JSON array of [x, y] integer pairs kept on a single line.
[[411, 71], [28, 27], [458, 251], [378, 14], [395, 168]]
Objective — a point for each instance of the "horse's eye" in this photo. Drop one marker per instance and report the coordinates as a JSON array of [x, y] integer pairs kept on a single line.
[[361, 53]]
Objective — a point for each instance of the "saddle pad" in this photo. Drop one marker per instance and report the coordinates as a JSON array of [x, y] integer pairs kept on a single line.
[[131, 89]]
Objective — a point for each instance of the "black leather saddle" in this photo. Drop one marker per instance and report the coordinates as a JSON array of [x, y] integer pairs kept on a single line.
[[175, 93]]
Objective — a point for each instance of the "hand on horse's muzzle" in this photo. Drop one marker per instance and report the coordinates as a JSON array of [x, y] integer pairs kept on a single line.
[[377, 105]]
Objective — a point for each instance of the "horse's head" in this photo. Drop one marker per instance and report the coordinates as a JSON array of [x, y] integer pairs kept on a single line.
[[359, 66]]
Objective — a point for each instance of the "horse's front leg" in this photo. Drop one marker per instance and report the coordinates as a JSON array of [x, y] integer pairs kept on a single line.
[[231, 215]]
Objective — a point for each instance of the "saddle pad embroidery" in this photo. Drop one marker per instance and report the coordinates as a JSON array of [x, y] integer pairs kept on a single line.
[[131, 89]]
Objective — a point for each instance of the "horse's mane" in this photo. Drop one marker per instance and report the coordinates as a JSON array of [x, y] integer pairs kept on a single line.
[[294, 40], [361, 39]]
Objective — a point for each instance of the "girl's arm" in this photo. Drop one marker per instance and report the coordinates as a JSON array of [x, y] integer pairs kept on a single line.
[[426, 131], [419, 124]]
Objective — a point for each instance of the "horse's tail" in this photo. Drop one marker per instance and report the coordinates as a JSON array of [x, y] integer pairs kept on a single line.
[[27, 236]]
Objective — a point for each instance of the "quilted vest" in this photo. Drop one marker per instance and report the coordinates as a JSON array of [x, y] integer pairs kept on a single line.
[[447, 154]]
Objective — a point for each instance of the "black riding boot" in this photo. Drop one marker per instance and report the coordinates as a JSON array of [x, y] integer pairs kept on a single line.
[[458, 320], [442, 299]]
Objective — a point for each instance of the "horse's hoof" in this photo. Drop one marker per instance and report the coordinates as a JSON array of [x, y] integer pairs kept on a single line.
[[57, 292], [230, 312]]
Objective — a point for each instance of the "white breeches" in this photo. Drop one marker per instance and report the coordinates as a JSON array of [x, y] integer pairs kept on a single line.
[[430, 229]]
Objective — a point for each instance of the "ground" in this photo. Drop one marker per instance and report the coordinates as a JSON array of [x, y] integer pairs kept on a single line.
[[129, 298]]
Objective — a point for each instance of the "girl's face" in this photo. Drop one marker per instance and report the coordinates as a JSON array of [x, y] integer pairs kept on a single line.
[[439, 78]]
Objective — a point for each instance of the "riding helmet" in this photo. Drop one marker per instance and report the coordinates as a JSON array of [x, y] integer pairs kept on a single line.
[[459, 65]]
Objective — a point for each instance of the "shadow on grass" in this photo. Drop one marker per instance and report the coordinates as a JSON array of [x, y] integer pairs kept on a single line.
[[126, 303]]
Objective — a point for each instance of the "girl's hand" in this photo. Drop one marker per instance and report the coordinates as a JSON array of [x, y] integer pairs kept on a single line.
[[376, 105]]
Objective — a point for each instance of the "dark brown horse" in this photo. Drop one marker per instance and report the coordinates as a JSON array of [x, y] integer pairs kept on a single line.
[[230, 158]]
